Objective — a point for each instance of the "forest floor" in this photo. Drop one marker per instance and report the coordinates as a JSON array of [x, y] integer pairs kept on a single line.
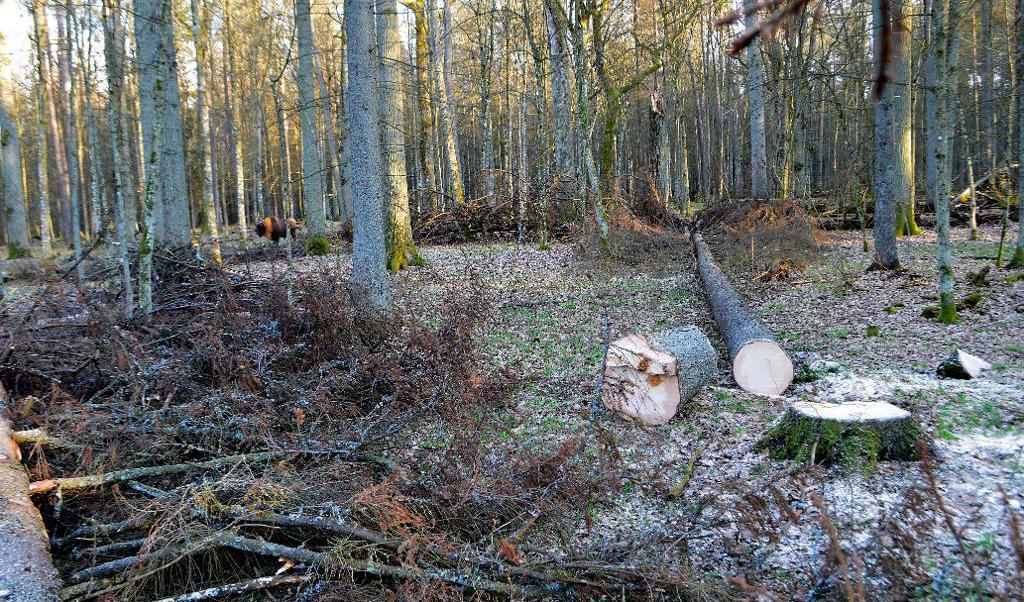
[[693, 497], [696, 487]]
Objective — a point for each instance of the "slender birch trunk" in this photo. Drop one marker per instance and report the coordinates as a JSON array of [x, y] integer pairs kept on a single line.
[[199, 38], [369, 270], [235, 119]]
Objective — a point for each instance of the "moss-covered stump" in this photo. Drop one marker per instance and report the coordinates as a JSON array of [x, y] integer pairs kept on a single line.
[[962, 365], [856, 434]]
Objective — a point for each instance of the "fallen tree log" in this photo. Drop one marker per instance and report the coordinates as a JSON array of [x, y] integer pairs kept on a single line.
[[26, 569], [759, 364], [648, 377]]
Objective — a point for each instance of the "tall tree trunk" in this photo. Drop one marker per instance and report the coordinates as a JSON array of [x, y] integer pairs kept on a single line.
[[887, 153], [199, 37], [441, 79], [115, 80], [561, 101], [486, 48], [57, 135], [235, 119], [14, 190], [901, 63], [312, 166], [42, 110], [65, 28], [369, 271], [425, 135], [755, 97], [401, 251], [1018, 254], [940, 86]]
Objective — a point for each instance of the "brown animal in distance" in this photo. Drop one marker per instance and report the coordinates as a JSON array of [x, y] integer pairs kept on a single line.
[[274, 228]]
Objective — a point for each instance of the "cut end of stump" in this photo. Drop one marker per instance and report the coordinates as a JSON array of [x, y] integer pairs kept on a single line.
[[762, 368]]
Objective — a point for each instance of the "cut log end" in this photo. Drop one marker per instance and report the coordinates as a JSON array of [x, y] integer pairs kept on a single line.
[[762, 368], [647, 378]]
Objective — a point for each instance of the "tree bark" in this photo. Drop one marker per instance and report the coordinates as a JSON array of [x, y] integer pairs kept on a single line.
[[755, 97], [940, 81], [312, 166], [561, 100], [887, 151], [369, 273], [42, 102], [28, 574], [1018, 254], [200, 35], [14, 190], [401, 251], [759, 364], [441, 56]]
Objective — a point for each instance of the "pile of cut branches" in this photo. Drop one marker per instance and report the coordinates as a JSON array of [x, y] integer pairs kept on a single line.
[[244, 436]]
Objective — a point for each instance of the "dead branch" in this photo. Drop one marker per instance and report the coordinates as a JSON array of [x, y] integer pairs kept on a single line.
[[232, 589], [131, 474]]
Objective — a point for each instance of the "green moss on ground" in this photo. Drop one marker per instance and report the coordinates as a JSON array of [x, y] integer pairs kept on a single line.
[[317, 245], [16, 252]]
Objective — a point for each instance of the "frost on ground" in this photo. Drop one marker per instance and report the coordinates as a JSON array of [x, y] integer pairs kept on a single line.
[[693, 496]]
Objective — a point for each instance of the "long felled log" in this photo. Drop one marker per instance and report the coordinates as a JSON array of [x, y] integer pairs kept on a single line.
[[759, 364], [26, 570]]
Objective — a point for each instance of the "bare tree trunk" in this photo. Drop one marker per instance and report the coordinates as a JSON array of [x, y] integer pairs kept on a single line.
[[441, 79], [887, 160], [42, 96], [1018, 254], [940, 84], [14, 190], [755, 96], [485, 33], [115, 80], [425, 136], [199, 37], [369, 270], [312, 166], [235, 121], [64, 28], [561, 100], [401, 251]]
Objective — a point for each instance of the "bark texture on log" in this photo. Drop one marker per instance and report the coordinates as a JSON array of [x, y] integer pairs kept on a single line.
[[759, 364], [648, 377], [26, 570]]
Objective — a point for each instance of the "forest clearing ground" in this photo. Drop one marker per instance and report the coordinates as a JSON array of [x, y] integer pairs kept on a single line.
[[547, 327]]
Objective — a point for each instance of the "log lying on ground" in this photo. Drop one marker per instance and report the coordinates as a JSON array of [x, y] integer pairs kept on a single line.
[[26, 569], [856, 433], [648, 377], [759, 364], [962, 365]]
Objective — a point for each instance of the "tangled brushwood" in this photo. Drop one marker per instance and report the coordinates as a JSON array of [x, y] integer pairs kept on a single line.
[[245, 437]]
